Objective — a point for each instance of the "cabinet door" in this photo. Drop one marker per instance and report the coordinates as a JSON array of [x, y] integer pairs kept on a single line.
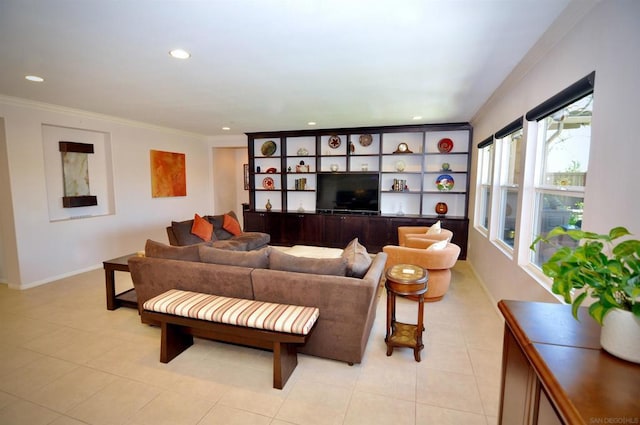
[[301, 229], [339, 230], [264, 222], [377, 234]]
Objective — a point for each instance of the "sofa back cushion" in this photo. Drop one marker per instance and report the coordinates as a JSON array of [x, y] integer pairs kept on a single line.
[[358, 259], [219, 231], [182, 233], [328, 266], [258, 259], [159, 250]]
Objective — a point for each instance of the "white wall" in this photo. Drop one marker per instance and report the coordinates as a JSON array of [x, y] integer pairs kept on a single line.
[[229, 154], [606, 40], [47, 250]]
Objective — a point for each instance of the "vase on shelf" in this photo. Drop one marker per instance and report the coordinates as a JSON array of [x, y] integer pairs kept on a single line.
[[441, 208], [268, 205]]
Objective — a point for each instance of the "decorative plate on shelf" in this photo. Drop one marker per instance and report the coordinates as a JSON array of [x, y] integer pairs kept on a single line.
[[334, 142], [268, 183], [271, 170], [268, 148], [365, 139], [444, 182], [445, 145]]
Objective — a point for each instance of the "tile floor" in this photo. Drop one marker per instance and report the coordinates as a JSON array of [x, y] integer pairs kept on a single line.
[[65, 360]]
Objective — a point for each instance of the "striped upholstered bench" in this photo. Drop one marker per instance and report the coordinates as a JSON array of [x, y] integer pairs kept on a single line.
[[278, 327]]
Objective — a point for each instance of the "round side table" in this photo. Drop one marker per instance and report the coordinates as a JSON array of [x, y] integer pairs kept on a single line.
[[405, 280]]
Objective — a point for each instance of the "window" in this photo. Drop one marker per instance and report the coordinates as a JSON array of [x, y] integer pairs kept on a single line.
[[510, 171], [564, 138], [485, 179]]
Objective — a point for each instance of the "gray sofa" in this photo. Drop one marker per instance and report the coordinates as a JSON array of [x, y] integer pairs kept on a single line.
[[347, 303], [179, 234]]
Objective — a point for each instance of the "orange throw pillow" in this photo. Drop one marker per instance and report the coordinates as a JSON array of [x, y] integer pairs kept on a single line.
[[202, 228], [231, 225]]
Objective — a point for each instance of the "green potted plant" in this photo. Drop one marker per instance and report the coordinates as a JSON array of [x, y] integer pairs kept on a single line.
[[607, 272]]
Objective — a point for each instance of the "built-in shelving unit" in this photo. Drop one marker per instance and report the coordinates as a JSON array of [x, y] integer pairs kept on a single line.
[[283, 167]]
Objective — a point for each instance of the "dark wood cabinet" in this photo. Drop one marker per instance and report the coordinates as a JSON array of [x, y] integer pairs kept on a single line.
[[337, 230], [554, 371]]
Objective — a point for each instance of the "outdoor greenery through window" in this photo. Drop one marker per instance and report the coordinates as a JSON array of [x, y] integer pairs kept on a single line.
[[509, 186], [485, 179], [564, 138]]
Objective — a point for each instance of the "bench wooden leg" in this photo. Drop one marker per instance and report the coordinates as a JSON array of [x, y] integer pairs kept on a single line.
[[173, 341], [285, 360]]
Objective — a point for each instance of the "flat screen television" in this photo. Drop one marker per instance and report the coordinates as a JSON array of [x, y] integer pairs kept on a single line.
[[348, 192]]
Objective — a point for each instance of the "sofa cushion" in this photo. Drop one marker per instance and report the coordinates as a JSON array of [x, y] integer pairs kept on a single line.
[[218, 225], [358, 259], [159, 250], [231, 225], [230, 244], [254, 259], [202, 228], [290, 263], [435, 229], [253, 240], [182, 232], [438, 246]]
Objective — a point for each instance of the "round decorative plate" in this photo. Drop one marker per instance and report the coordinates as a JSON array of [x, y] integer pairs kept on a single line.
[[271, 170], [365, 139], [334, 142], [445, 182], [400, 165], [268, 183], [268, 148], [445, 145]]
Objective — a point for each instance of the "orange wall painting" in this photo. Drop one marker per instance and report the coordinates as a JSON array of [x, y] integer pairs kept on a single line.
[[168, 174]]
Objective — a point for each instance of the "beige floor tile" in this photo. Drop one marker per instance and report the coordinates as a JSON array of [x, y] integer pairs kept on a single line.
[[319, 404], [114, 404], [431, 415], [6, 399], [452, 358], [12, 358], [265, 402], [366, 408], [71, 389], [225, 415], [65, 420], [22, 412], [332, 372], [489, 387], [170, 408], [25, 380], [450, 390]]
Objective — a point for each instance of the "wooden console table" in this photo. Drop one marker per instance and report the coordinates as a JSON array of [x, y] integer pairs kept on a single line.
[[127, 298], [554, 371]]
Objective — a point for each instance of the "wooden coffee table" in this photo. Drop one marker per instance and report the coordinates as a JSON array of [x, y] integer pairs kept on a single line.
[[405, 280], [127, 298]]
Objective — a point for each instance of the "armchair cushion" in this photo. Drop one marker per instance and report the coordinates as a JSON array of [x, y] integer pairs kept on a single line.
[[405, 232], [435, 229]]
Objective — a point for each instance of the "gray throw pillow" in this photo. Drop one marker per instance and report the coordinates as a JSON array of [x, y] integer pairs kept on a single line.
[[258, 259], [182, 232], [328, 266], [358, 259], [159, 250]]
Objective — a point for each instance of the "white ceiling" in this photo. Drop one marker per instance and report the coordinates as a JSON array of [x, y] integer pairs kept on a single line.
[[268, 64]]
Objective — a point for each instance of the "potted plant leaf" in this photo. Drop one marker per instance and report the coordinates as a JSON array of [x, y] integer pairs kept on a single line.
[[605, 271]]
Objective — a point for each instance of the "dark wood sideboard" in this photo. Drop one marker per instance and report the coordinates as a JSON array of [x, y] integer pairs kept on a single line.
[[554, 371], [337, 230]]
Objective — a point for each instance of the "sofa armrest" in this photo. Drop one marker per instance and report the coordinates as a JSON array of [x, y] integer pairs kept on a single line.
[[430, 260]]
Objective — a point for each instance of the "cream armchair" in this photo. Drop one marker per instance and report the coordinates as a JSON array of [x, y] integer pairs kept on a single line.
[[421, 232], [437, 262]]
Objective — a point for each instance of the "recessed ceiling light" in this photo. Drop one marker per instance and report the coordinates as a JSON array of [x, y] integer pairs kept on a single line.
[[226, 128], [417, 117], [34, 78], [311, 123], [180, 54]]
